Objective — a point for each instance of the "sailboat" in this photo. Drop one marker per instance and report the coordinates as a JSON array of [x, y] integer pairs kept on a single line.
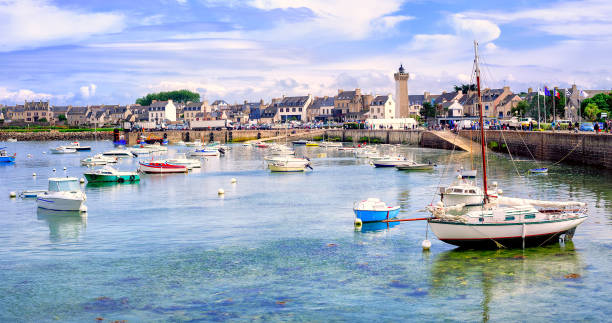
[[504, 222]]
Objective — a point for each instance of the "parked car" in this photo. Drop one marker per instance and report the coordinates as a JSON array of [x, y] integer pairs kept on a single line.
[[587, 126]]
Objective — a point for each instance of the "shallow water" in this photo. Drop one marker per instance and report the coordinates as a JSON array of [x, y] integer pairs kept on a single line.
[[282, 247]]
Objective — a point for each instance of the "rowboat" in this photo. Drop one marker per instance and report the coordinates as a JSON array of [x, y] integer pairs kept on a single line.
[[98, 160], [312, 144], [161, 167], [411, 165], [374, 210]]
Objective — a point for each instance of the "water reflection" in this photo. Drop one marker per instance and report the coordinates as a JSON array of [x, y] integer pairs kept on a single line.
[[63, 225], [501, 273], [377, 226]]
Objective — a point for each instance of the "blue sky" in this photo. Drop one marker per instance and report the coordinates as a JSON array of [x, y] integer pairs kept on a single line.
[[111, 51]]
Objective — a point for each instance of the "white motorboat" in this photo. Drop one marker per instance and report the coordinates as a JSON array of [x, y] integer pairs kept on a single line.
[[121, 153], [77, 146], [63, 150], [190, 163], [288, 164], [11, 140], [204, 153], [64, 194], [364, 152], [389, 161], [462, 191], [499, 221], [98, 160], [139, 151], [195, 143], [155, 147]]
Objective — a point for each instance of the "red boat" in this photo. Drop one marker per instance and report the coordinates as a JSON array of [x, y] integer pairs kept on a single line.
[[161, 168]]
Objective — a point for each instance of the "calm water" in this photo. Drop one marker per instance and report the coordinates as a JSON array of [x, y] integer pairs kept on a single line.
[[282, 247]]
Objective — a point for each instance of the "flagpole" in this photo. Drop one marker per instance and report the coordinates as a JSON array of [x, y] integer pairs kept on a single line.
[[545, 90], [554, 95], [539, 116]]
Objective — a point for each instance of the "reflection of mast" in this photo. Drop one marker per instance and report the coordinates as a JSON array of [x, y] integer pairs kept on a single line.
[[482, 137], [486, 295]]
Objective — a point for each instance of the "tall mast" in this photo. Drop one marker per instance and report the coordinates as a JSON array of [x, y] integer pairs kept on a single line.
[[482, 137]]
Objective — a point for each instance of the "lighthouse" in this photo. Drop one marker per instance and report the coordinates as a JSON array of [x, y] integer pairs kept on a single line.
[[402, 109]]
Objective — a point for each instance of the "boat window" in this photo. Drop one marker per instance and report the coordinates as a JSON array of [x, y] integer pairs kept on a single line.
[[472, 192], [529, 216], [59, 186], [457, 190], [509, 218]]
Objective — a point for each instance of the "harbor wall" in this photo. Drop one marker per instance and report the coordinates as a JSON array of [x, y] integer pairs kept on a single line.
[[574, 148], [223, 136], [407, 137], [55, 135]]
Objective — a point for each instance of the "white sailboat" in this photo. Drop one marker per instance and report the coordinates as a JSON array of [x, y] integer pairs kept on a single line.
[[503, 222]]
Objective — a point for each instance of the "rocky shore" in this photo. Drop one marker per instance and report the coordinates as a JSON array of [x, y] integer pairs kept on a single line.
[[56, 135]]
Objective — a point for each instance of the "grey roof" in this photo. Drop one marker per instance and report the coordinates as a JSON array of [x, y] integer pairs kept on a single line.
[[200, 115], [293, 101], [489, 95], [444, 97], [197, 105], [60, 108], [322, 102], [380, 100], [508, 99], [416, 99], [158, 104], [346, 95], [446, 105], [77, 110], [269, 112]]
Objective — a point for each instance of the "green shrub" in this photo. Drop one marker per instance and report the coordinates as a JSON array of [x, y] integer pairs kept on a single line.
[[317, 138], [348, 139]]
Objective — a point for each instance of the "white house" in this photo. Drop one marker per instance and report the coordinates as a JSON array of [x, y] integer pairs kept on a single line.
[[162, 111], [294, 107], [382, 107], [454, 108]]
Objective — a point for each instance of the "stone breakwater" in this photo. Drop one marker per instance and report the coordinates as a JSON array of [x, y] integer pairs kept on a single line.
[[56, 135]]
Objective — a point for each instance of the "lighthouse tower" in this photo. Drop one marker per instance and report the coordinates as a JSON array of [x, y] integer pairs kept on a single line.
[[402, 109]]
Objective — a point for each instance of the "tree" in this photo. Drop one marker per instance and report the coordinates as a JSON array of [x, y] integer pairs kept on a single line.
[[428, 110], [591, 111], [176, 96], [602, 101], [42, 120], [521, 108], [464, 88], [62, 117]]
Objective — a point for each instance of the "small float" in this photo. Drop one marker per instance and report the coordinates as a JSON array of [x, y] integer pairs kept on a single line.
[[374, 210]]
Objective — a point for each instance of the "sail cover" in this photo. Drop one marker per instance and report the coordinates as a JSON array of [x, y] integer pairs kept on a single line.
[[502, 200]]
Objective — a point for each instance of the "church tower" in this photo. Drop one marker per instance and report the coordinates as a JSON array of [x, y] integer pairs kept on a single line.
[[402, 109]]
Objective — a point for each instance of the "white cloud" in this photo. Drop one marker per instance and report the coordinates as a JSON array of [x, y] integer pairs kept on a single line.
[[352, 19], [88, 90], [21, 95], [478, 29], [32, 23]]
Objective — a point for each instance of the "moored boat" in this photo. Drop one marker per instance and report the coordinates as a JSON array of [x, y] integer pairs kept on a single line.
[[539, 170], [64, 194], [374, 210], [389, 162], [98, 160], [190, 163], [109, 174], [312, 144], [5, 157], [300, 142], [118, 153], [195, 143], [411, 165], [77, 146], [63, 150], [161, 167], [204, 153]]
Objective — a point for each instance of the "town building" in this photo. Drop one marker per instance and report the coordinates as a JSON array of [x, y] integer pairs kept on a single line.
[[37, 111], [195, 111], [453, 108], [77, 116], [294, 108], [60, 110], [162, 111], [382, 107], [351, 105], [321, 109]]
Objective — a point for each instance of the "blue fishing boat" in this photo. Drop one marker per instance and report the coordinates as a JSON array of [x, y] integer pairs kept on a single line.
[[374, 210], [5, 157], [539, 170]]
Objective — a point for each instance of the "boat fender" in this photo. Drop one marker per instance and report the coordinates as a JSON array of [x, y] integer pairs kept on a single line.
[[120, 180], [426, 244], [132, 178], [358, 223]]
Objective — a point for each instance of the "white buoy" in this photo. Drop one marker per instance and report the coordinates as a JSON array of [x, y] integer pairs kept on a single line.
[[53, 169], [12, 194], [44, 152], [221, 191], [64, 168], [426, 244], [33, 174], [500, 192], [494, 184], [233, 180], [82, 180], [29, 156]]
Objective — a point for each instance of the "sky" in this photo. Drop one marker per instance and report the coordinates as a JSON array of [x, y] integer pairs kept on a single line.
[[115, 51]]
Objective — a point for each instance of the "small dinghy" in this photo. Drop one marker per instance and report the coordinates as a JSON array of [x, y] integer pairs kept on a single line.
[[374, 210], [411, 165], [539, 170]]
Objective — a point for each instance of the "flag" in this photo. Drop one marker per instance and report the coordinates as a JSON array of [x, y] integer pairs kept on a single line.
[[546, 92], [583, 94], [567, 92], [540, 92], [557, 94]]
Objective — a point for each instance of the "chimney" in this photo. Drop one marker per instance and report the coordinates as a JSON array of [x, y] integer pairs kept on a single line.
[[340, 91], [358, 91], [506, 88], [529, 90]]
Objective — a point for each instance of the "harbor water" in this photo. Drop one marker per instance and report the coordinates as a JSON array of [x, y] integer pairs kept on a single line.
[[283, 247]]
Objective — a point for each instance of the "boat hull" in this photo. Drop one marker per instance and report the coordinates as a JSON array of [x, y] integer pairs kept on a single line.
[[376, 216], [162, 168], [286, 169], [97, 178], [7, 159], [58, 204], [509, 235], [416, 167]]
